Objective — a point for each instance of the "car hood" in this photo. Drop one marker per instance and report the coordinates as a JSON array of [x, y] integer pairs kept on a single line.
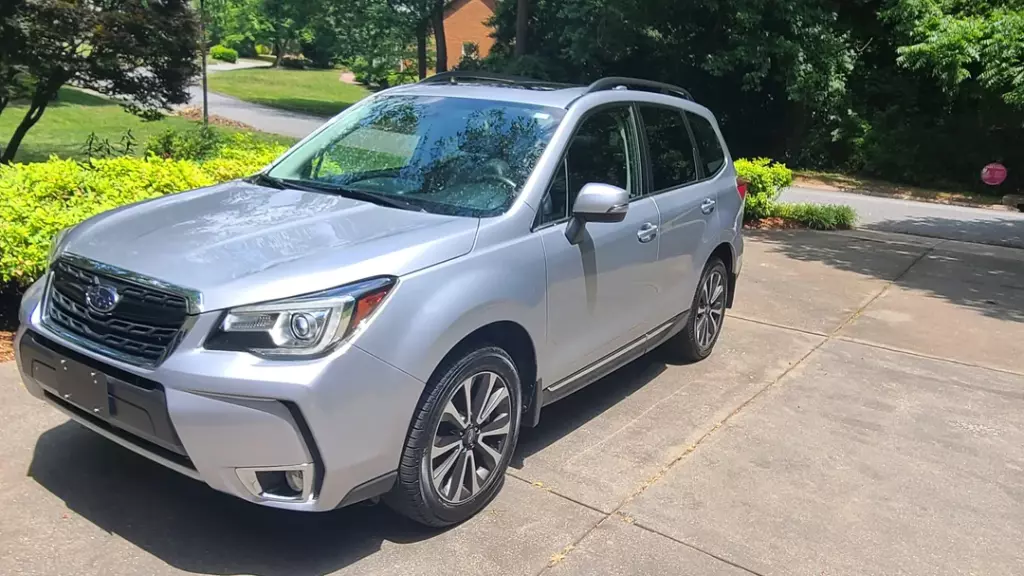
[[238, 243]]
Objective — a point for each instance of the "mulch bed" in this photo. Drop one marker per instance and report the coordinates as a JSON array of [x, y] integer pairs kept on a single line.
[[773, 223], [9, 299], [196, 113]]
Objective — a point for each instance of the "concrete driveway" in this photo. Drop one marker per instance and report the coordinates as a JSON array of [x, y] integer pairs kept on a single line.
[[863, 414]]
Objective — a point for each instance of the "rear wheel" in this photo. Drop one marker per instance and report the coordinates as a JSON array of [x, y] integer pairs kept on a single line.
[[707, 312], [460, 441]]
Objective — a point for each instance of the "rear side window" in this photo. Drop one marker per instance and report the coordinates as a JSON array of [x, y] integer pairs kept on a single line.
[[711, 153], [672, 160]]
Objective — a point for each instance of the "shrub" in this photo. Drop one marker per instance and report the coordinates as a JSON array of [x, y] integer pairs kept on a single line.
[[263, 50], [37, 200], [224, 54], [196, 144], [816, 216], [765, 180]]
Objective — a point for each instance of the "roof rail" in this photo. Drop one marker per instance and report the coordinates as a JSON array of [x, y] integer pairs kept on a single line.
[[455, 75], [613, 82]]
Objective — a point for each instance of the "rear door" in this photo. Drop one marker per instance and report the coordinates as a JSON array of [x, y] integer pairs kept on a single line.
[[686, 201], [716, 170]]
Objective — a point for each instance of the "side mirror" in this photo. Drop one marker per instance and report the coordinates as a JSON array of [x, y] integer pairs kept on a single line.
[[601, 203], [596, 203]]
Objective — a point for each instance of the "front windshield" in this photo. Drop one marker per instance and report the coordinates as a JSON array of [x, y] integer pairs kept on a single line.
[[456, 156]]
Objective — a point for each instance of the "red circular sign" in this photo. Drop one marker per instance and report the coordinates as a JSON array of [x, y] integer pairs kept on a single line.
[[994, 174]]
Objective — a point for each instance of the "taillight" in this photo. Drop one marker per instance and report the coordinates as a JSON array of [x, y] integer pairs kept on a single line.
[[741, 188]]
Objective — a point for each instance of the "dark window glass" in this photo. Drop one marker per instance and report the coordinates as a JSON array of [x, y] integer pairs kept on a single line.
[[711, 153], [672, 162], [602, 151]]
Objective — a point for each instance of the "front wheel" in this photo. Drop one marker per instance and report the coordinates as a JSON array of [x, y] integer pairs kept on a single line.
[[461, 440], [707, 312]]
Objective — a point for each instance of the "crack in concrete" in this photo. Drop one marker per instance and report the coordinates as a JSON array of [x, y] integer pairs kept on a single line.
[[693, 447]]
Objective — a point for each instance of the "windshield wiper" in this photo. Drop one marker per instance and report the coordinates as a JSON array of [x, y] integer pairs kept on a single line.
[[355, 194], [261, 179]]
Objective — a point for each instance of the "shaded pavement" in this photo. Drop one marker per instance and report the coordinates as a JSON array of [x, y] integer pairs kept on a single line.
[[862, 414], [984, 225]]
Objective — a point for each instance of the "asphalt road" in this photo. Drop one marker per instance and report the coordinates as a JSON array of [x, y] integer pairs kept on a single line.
[[982, 225]]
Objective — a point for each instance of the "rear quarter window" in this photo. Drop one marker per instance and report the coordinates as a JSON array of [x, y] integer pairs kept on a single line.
[[712, 156]]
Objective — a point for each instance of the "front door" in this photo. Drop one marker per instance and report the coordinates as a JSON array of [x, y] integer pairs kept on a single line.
[[602, 291]]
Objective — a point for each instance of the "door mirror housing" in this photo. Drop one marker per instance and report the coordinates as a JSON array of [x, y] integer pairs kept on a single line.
[[596, 202]]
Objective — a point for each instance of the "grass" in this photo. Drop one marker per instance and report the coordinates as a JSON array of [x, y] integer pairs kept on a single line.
[[67, 123], [316, 92], [873, 187]]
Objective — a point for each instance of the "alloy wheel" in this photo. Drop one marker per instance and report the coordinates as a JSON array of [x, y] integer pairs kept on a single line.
[[710, 308], [471, 437]]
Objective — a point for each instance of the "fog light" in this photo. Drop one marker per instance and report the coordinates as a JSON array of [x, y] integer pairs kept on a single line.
[[294, 479]]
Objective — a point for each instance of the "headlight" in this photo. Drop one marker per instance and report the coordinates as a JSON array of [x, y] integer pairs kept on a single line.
[[300, 327], [55, 244]]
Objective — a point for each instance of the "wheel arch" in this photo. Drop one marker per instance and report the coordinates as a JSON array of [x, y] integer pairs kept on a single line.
[[513, 338], [727, 255]]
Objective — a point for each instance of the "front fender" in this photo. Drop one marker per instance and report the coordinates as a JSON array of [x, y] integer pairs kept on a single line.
[[430, 311]]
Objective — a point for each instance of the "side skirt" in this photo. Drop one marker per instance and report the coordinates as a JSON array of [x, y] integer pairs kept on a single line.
[[611, 362]]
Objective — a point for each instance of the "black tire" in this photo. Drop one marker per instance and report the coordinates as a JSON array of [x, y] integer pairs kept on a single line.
[[415, 494], [692, 344]]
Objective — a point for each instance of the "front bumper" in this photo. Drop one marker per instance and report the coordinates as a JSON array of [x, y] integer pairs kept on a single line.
[[220, 417]]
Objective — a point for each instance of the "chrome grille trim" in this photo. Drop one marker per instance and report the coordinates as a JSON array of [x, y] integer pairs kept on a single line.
[[153, 319]]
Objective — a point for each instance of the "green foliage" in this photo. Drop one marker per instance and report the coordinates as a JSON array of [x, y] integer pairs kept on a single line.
[[37, 200], [99, 46], [816, 216], [765, 181], [198, 143], [224, 54]]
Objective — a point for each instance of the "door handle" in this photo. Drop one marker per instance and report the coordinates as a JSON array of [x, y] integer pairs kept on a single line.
[[707, 206], [647, 232]]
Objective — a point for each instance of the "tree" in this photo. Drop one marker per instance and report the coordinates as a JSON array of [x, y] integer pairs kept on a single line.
[[141, 52], [522, 25], [955, 42], [440, 43]]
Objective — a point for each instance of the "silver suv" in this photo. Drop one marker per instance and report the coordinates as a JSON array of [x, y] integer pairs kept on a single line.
[[381, 310]]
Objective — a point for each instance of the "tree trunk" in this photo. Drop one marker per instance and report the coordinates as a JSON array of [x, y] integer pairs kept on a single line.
[[522, 25], [278, 52], [421, 50], [35, 112], [440, 43]]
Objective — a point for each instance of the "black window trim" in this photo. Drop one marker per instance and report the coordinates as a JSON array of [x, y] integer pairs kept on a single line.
[[699, 168], [696, 149], [563, 162]]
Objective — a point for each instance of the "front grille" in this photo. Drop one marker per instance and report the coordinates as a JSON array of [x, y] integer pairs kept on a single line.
[[142, 327]]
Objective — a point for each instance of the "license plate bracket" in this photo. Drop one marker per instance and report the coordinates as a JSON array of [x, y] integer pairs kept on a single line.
[[84, 387]]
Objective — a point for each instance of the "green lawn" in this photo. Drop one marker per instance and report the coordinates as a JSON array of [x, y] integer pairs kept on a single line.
[[67, 123], [317, 92]]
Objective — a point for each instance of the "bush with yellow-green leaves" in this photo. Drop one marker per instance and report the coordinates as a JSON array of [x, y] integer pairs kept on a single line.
[[38, 200]]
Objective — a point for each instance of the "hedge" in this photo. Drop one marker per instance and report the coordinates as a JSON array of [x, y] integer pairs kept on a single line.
[[38, 200], [816, 216], [224, 54]]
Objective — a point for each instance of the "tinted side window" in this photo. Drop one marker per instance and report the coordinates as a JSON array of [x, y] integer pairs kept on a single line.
[[711, 153], [672, 160], [601, 151]]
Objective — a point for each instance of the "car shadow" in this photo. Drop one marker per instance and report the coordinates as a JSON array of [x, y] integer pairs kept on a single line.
[[194, 528], [572, 412], [197, 529], [986, 280]]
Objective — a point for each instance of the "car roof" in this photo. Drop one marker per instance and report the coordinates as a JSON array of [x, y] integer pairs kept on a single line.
[[540, 94], [489, 86]]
